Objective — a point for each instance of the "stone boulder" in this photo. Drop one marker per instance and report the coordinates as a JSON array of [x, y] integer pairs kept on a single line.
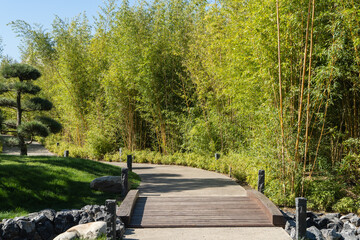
[[67, 236], [109, 184], [91, 230]]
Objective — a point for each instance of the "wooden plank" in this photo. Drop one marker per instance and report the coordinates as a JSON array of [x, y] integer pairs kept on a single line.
[[273, 213], [127, 206], [203, 212], [201, 224]]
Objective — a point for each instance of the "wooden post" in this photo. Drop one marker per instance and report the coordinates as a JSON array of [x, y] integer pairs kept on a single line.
[[261, 181], [300, 230], [129, 162], [124, 181], [110, 208], [217, 156], [66, 153]]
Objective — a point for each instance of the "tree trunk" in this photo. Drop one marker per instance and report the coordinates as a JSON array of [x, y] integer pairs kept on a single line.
[[22, 145]]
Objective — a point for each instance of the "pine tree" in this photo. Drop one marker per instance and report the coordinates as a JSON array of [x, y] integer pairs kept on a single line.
[[19, 82]]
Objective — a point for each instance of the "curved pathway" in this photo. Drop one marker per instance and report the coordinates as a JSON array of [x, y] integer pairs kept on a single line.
[[175, 181], [34, 149]]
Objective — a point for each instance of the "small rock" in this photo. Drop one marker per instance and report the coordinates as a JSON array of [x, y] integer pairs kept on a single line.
[[110, 184], [310, 222], [293, 233], [49, 213], [349, 235], [63, 221], [67, 236], [10, 230], [355, 220], [349, 227], [336, 224], [332, 215], [323, 222], [44, 227], [288, 215], [347, 217], [289, 225], [330, 234], [311, 215], [27, 228], [312, 233]]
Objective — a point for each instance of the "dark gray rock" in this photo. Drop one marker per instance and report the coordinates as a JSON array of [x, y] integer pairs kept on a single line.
[[349, 227], [311, 222], [311, 215], [49, 213], [288, 215], [289, 225], [76, 215], [323, 222], [63, 221], [11, 230], [347, 216], [312, 233], [355, 220], [110, 184], [27, 228], [348, 236], [100, 216], [330, 234], [120, 229], [293, 233], [336, 224], [44, 227], [85, 217], [332, 215]]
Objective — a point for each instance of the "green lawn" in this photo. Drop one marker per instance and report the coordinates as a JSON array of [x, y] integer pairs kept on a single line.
[[29, 184]]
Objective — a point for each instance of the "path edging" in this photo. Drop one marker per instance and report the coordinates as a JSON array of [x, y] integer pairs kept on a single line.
[[127, 206], [272, 212]]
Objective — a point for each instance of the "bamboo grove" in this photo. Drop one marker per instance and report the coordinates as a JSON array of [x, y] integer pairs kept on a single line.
[[274, 81]]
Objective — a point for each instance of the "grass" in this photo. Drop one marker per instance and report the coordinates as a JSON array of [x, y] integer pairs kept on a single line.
[[29, 184]]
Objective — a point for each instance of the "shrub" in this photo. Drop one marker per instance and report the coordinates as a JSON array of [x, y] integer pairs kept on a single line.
[[346, 205]]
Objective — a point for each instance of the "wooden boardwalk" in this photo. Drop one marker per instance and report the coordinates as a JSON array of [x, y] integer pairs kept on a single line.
[[155, 212], [254, 210]]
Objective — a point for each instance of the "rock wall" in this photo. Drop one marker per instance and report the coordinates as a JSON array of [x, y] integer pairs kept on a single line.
[[327, 226], [47, 224]]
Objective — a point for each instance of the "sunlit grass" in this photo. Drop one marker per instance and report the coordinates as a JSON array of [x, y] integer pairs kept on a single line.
[[29, 184]]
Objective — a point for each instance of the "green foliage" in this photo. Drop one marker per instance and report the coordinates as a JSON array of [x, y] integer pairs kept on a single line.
[[26, 87], [12, 141], [6, 102], [21, 71], [38, 104], [98, 144], [33, 128], [346, 205], [324, 194], [30, 184], [3, 88], [10, 124], [53, 125]]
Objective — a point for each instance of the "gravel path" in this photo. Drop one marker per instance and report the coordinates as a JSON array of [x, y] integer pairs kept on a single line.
[[34, 149]]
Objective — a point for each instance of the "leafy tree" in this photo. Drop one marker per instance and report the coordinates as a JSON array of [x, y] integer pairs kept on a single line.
[[19, 84]]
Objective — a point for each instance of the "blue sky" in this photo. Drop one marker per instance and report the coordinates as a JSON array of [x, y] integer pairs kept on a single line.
[[41, 12]]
